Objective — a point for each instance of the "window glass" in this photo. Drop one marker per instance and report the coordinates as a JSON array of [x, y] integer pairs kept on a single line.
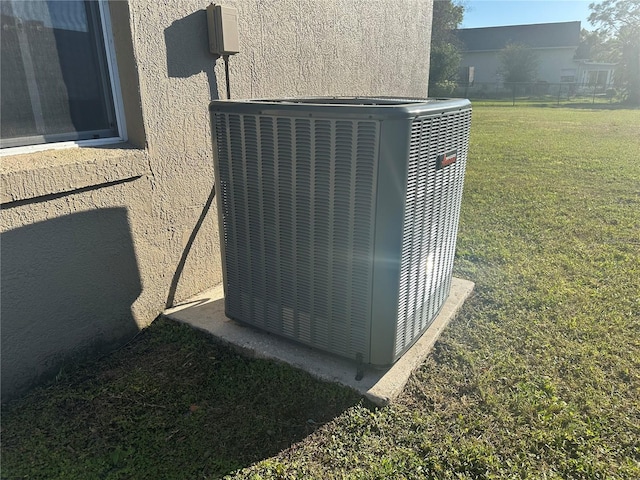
[[54, 74]]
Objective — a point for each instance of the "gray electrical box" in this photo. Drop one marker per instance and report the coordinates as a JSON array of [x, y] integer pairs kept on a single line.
[[222, 23]]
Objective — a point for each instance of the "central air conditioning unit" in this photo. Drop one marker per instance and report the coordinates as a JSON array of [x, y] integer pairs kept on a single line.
[[339, 217]]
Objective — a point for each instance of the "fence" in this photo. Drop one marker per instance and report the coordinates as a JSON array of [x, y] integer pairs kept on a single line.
[[538, 92]]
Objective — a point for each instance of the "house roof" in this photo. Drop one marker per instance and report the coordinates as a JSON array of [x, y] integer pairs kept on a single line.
[[595, 64], [541, 35]]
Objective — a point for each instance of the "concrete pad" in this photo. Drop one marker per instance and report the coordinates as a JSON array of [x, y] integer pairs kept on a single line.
[[206, 312]]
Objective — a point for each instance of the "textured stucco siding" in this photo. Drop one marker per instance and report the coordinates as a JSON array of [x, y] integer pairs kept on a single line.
[[101, 239]]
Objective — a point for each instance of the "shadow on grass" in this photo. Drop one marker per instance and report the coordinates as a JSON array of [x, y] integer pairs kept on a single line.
[[171, 404]]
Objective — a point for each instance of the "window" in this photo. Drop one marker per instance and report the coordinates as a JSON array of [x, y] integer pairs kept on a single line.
[[568, 75], [599, 77], [55, 74]]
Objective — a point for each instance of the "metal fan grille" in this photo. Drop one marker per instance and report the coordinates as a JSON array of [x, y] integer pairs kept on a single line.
[[432, 211], [298, 198]]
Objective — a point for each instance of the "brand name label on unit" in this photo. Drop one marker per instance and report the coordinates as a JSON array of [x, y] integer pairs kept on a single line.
[[447, 158]]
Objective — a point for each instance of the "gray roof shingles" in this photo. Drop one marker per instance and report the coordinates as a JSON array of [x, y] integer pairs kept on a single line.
[[541, 35]]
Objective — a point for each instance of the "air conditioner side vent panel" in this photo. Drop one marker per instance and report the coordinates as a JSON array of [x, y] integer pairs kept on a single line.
[[430, 222], [297, 200]]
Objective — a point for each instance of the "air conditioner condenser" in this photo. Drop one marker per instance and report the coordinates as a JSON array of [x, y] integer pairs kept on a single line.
[[339, 216]]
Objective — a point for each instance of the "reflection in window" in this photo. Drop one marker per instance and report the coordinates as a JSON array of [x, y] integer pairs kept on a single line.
[[54, 74]]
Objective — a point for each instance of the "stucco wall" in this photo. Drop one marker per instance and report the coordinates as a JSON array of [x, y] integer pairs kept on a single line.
[[101, 240]]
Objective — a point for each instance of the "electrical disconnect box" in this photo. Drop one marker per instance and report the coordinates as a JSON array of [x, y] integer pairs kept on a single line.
[[222, 23]]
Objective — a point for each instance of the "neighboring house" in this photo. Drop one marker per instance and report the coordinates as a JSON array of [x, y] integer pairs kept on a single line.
[[98, 240], [554, 43]]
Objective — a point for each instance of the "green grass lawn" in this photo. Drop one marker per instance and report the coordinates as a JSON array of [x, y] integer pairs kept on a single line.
[[538, 377]]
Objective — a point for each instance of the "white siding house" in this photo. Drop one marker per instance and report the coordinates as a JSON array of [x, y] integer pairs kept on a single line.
[[554, 43]]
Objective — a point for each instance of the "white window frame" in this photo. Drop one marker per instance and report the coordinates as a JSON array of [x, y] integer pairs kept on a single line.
[[114, 77]]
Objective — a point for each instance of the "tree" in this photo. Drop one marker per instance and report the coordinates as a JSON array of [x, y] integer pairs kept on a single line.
[[619, 22], [443, 67], [445, 48], [519, 63], [594, 46]]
